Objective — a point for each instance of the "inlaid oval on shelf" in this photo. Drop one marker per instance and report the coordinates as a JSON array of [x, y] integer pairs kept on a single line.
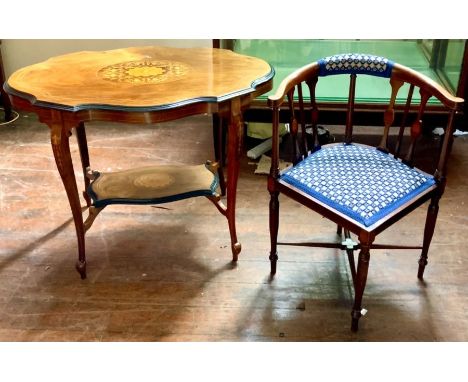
[[153, 181], [153, 184]]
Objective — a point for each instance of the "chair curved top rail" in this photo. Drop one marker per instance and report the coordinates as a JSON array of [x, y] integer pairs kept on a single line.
[[349, 63], [363, 64]]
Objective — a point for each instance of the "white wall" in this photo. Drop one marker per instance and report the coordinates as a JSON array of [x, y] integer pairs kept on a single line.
[[19, 53]]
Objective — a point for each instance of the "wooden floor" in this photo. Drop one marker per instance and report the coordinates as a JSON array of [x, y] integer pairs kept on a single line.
[[159, 274]]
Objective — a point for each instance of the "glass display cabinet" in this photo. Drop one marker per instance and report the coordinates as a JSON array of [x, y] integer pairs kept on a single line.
[[445, 61], [445, 58]]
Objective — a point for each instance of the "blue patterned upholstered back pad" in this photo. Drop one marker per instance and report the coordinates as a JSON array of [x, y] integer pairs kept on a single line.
[[359, 181], [356, 63]]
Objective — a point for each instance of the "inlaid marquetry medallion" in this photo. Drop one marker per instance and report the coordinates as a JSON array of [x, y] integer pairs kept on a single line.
[[141, 183], [145, 71], [154, 181]]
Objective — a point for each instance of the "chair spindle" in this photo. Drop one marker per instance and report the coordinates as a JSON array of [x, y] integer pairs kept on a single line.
[[349, 116], [416, 127], [293, 124], [314, 113], [302, 121], [403, 121], [389, 115]]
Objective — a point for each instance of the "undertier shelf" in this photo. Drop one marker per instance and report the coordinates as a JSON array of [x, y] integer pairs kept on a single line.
[[153, 184]]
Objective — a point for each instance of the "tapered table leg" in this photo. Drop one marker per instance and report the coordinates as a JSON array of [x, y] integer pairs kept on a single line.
[[60, 134], [83, 147], [219, 151], [235, 144]]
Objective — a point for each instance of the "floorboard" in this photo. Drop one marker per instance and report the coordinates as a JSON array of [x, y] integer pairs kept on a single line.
[[165, 274]]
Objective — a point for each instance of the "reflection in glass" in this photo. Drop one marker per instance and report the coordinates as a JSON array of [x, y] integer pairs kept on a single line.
[[438, 59], [453, 61]]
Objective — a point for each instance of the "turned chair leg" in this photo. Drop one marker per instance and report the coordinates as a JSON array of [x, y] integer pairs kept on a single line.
[[431, 218], [274, 223], [360, 283]]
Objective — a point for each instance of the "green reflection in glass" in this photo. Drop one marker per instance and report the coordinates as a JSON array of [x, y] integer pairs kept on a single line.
[[287, 55], [453, 61]]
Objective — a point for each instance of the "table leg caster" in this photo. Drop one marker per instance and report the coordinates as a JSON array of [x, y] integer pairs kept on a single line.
[[81, 268], [236, 248], [356, 315], [273, 260]]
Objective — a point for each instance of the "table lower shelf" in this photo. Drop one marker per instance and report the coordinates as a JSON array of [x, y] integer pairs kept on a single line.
[[153, 184]]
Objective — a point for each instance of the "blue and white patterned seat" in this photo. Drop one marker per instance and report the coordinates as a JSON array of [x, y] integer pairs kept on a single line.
[[359, 181]]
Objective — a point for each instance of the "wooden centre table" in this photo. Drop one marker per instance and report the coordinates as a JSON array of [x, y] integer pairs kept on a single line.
[[142, 85]]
